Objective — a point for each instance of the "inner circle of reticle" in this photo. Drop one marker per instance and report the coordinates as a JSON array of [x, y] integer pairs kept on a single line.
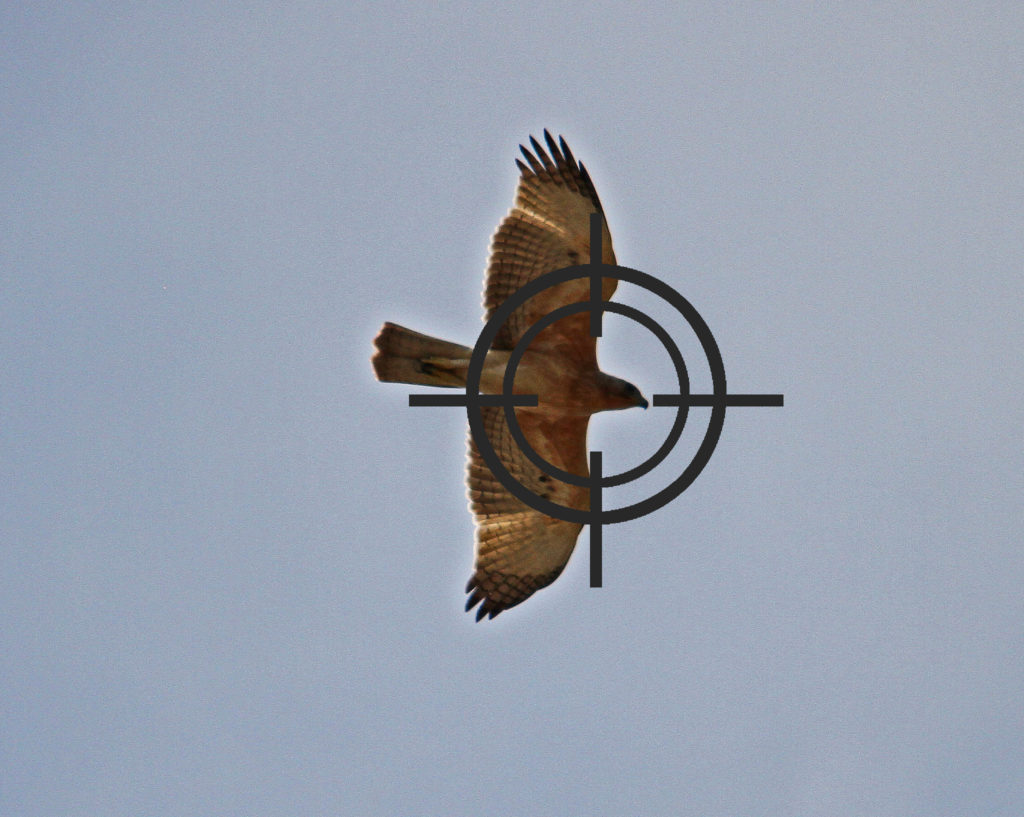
[[651, 462], [594, 271]]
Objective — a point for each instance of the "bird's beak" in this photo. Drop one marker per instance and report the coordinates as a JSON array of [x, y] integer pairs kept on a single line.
[[642, 403]]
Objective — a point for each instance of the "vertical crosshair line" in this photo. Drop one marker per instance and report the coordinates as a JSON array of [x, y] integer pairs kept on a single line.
[[595, 524], [596, 253]]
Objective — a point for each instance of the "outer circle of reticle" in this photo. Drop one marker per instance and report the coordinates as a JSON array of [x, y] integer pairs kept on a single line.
[[490, 332], [674, 433]]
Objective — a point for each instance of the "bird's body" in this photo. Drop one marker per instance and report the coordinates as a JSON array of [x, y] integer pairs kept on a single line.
[[518, 549]]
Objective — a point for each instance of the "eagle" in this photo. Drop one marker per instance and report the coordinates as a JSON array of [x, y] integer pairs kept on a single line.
[[518, 549]]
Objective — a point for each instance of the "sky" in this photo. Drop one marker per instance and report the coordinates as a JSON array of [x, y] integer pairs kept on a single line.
[[232, 563]]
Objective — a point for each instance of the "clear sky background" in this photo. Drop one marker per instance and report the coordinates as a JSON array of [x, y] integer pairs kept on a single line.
[[232, 564]]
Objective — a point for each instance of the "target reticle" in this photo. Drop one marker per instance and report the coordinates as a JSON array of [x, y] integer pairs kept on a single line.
[[597, 271], [597, 516]]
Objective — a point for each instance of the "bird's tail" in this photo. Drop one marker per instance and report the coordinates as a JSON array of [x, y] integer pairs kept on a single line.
[[404, 356]]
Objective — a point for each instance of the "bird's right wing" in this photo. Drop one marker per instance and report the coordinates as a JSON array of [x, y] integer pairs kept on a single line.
[[547, 230]]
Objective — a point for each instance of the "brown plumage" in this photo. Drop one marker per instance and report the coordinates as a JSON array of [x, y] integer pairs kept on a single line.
[[518, 549]]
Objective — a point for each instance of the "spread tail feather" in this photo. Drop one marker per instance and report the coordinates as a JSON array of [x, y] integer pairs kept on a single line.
[[405, 356]]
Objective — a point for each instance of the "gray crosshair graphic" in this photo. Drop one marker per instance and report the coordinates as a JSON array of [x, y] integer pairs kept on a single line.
[[597, 516]]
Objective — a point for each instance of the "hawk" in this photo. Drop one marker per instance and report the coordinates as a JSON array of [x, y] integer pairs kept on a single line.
[[518, 549]]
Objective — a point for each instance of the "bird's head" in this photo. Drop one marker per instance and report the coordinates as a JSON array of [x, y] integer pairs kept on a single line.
[[620, 394]]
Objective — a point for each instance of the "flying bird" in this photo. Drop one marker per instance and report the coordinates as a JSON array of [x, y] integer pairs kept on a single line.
[[518, 549]]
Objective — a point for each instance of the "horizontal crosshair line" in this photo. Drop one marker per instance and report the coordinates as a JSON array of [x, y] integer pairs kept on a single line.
[[463, 400], [714, 400]]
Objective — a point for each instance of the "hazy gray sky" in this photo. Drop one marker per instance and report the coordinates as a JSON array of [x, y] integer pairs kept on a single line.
[[233, 563]]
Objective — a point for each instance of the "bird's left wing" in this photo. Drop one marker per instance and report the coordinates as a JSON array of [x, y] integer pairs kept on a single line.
[[518, 549]]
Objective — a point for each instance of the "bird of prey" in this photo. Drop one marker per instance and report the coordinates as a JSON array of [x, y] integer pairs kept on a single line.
[[518, 549]]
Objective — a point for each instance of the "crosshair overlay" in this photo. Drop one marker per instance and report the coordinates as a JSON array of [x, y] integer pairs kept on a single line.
[[596, 516]]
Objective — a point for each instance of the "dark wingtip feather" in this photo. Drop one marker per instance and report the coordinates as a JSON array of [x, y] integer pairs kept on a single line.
[[565, 151], [590, 187], [556, 154], [487, 609], [535, 164], [542, 155]]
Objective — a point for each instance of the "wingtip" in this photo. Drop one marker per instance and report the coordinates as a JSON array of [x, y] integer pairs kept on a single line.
[[566, 152], [488, 609], [552, 145], [536, 162]]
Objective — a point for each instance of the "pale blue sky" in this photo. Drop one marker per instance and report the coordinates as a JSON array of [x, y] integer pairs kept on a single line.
[[232, 563]]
